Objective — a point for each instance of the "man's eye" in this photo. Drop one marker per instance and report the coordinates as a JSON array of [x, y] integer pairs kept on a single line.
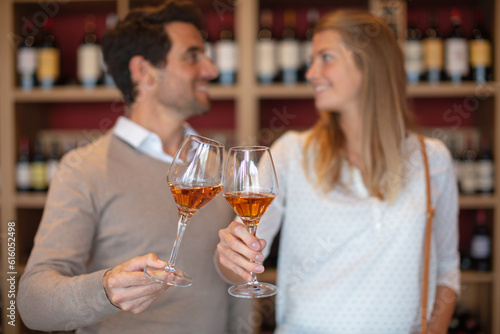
[[194, 58]]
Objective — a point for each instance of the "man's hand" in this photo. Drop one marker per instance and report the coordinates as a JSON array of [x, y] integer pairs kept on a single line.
[[129, 289]]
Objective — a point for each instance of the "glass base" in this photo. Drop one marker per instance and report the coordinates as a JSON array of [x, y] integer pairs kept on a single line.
[[175, 277], [253, 290]]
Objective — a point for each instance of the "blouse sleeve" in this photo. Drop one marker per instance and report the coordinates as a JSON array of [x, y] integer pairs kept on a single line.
[[271, 220], [445, 223]]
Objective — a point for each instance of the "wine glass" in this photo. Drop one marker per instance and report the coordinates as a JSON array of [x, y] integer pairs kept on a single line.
[[194, 178], [250, 185]]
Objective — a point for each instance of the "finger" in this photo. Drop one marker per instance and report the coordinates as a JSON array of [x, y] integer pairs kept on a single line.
[[239, 230], [232, 244], [137, 305], [127, 279], [226, 262], [141, 262], [124, 295]]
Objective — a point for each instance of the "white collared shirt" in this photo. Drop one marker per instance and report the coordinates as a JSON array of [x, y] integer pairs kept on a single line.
[[144, 140]]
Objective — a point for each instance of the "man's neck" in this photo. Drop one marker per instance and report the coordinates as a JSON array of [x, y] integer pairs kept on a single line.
[[167, 125]]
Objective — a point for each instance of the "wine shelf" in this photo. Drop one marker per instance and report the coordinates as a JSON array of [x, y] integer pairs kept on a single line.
[[99, 94], [30, 200]]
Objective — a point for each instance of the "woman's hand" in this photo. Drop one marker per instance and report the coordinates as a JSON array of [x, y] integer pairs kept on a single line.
[[129, 289], [235, 250]]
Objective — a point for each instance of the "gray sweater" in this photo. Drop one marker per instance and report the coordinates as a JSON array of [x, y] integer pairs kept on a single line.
[[107, 204]]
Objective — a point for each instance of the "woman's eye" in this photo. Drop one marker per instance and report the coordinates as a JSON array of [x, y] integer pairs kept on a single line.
[[327, 57]]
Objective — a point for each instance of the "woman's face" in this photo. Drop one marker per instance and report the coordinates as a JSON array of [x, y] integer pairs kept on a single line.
[[334, 75]]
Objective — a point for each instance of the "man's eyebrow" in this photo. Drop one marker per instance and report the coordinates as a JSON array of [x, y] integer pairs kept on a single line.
[[193, 49]]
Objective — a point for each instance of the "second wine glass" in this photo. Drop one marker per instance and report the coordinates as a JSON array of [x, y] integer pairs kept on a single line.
[[250, 185], [194, 178]]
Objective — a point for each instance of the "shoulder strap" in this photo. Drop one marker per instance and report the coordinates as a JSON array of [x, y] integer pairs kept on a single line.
[[427, 243]]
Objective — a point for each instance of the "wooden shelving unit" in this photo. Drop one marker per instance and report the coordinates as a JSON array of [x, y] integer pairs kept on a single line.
[[246, 94]]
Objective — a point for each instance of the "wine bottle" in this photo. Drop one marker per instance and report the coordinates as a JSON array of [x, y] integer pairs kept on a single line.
[[288, 59], [306, 47], [48, 58], [209, 50], [111, 21], [38, 168], [53, 161], [485, 168], [88, 56], [27, 55], [226, 55], [433, 51], [456, 53], [468, 169], [266, 49], [23, 166], [480, 51], [480, 248], [414, 54]]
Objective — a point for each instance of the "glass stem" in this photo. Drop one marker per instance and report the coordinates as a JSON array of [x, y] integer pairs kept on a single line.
[[181, 227], [252, 228]]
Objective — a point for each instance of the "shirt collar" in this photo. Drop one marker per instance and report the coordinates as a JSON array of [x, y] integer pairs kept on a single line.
[[141, 138]]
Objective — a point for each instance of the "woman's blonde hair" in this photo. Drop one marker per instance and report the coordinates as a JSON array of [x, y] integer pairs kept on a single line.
[[383, 109]]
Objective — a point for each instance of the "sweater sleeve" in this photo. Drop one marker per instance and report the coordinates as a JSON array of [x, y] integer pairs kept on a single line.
[[445, 222], [56, 292]]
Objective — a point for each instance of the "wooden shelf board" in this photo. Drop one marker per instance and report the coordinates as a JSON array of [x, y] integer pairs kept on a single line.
[[72, 93], [277, 91], [76, 93], [474, 277], [31, 200], [447, 89], [478, 201]]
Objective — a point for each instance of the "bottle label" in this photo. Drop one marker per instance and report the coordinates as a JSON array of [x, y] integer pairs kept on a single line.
[[484, 175], [480, 53], [48, 63], [414, 57], [289, 54], [456, 56], [26, 60], [88, 62], [433, 53], [265, 58], [23, 175], [306, 50], [226, 56], [480, 247], [468, 177], [209, 51], [38, 175]]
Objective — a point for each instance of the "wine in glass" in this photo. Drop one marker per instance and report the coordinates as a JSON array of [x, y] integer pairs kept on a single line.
[[194, 178], [250, 185]]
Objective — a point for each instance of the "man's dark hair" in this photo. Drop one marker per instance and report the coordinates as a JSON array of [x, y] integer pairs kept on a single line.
[[142, 33]]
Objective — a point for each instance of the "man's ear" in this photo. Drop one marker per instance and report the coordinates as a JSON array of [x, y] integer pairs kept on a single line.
[[141, 71]]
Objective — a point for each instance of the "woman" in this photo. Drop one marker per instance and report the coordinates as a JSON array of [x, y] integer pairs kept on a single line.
[[352, 202]]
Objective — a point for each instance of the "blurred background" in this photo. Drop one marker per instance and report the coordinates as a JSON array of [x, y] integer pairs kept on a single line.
[[55, 96]]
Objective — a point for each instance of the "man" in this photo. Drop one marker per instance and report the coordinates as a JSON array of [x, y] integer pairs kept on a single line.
[[109, 206]]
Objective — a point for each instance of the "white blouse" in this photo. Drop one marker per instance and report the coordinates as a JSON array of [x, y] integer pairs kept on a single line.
[[349, 262]]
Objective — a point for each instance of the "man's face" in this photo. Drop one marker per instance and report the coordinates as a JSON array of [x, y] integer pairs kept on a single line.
[[183, 82]]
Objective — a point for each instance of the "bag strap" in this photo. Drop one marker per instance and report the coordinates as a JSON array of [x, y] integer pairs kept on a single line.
[[427, 242]]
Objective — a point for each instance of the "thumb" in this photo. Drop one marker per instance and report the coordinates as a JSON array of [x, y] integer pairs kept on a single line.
[[141, 262]]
